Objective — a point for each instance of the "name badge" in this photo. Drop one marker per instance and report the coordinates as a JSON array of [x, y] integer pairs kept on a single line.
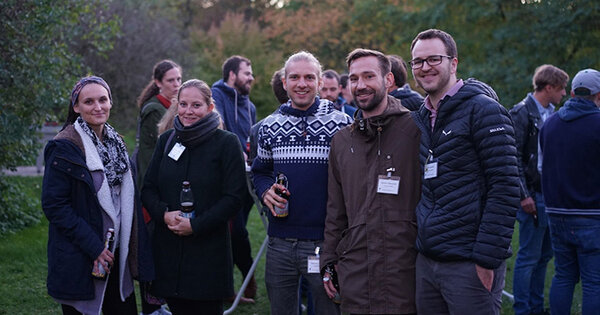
[[430, 170], [313, 264], [176, 151], [388, 185]]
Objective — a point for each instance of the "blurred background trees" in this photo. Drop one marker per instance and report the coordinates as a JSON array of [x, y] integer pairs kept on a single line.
[[47, 45]]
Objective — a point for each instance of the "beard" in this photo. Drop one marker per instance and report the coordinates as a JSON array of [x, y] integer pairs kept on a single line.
[[374, 102], [242, 87]]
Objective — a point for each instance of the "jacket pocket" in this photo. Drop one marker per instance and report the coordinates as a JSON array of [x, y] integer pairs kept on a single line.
[[351, 236]]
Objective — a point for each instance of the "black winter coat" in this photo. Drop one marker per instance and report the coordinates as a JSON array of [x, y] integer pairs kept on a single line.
[[198, 266], [468, 211]]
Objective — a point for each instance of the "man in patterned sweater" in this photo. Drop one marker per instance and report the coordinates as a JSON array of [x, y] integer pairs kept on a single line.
[[295, 141]]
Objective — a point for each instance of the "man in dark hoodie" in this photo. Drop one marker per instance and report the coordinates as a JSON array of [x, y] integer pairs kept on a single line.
[[238, 114], [570, 143], [401, 89], [470, 190], [370, 229]]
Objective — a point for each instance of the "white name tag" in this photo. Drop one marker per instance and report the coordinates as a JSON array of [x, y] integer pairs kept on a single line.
[[388, 185], [430, 170], [313, 264], [176, 151]]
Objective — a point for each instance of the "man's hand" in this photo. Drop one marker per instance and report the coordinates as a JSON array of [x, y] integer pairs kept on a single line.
[[486, 276], [328, 285], [528, 205], [182, 226], [270, 197]]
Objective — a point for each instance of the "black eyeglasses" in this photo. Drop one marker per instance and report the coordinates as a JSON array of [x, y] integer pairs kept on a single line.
[[431, 61]]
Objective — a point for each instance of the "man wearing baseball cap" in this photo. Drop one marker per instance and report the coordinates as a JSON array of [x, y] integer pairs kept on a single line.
[[570, 143]]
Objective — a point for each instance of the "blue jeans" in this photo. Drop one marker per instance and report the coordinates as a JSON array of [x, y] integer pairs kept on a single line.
[[535, 251], [576, 244], [286, 262]]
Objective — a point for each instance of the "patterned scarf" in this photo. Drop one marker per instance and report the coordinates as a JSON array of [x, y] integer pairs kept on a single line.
[[112, 152]]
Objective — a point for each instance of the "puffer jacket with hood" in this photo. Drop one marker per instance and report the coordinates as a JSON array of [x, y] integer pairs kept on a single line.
[[237, 111], [467, 211], [370, 235]]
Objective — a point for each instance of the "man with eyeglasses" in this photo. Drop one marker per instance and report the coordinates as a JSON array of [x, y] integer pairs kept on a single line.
[[470, 186]]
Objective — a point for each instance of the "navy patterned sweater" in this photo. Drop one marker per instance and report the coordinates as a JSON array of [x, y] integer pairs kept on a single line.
[[296, 143]]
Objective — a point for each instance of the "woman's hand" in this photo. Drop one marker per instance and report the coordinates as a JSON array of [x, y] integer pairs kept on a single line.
[[105, 259], [170, 217], [181, 227]]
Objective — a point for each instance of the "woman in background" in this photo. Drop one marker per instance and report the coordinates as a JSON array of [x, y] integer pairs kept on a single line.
[[87, 189], [193, 255], [153, 103]]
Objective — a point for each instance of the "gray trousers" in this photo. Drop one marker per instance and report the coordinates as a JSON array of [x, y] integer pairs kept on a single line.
[[454, 288], [286, 262]]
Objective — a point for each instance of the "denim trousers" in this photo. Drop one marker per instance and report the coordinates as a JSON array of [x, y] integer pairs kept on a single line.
[[286, 262], [535, 251], [576, 244]]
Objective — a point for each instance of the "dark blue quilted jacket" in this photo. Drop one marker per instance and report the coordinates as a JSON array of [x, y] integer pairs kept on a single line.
[[467, 212]]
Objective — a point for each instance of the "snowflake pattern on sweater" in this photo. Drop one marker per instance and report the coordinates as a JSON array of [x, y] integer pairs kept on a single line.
[[296, 143]]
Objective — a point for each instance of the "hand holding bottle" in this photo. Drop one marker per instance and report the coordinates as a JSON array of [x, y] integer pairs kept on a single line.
[[182, 226]]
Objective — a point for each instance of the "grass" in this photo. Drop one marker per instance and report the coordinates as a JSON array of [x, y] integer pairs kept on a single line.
[[23, 269]]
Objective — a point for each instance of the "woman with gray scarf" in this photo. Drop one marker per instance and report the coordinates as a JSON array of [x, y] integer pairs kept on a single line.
[[88, 189], [193, 255]]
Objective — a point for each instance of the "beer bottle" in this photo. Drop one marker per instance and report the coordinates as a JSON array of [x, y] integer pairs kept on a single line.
[[282, 180], [99, 272], [187, 200]]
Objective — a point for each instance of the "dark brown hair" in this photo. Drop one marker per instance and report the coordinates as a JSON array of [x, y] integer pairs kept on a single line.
[[446, 38], [158, 73], [233, 64], [384, 62]]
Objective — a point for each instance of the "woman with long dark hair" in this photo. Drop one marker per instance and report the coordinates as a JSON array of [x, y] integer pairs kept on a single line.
[[153, 103]]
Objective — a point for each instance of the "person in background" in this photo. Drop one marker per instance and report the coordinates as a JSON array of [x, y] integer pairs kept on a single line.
[[295, 141], [401, 89], [331, 91], [153, 103], [535, 248], [232, 101], [470, 185], [370, 231], [87, 189], [570, 143], [345, 92], [193, 255]]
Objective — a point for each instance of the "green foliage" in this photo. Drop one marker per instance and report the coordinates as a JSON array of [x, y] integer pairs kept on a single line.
[[502, 42], [19, 203], [37, 70], [237, 36], [38, 67]]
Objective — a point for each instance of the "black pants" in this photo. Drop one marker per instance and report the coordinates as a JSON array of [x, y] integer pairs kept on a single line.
[[112, 304], [193, 307]]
